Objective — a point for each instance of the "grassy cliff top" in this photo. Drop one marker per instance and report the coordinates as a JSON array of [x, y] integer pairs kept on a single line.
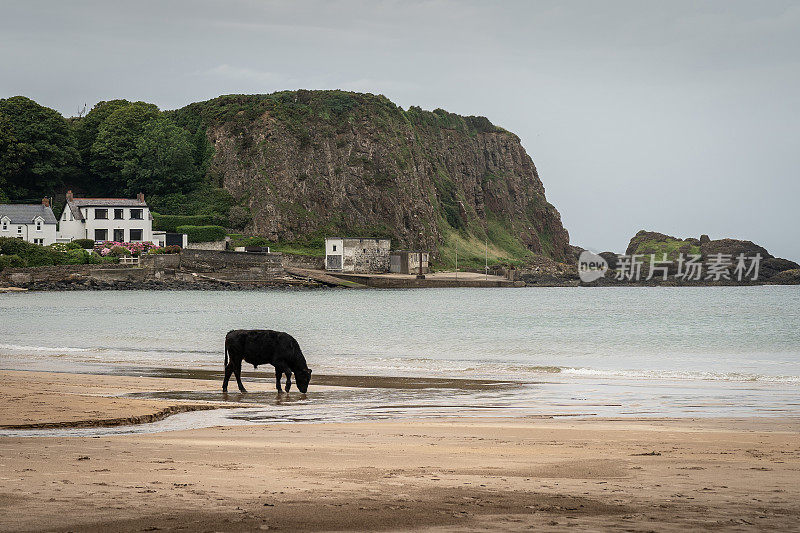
[[303, 105]]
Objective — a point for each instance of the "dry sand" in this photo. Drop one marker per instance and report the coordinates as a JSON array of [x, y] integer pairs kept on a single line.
[[442, 474]]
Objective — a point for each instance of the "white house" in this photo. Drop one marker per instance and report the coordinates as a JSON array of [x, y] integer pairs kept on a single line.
[[34, 223], [106, 219]]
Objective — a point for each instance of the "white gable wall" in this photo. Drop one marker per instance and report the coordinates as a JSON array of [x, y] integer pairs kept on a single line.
[[334, 254], [69, 228]]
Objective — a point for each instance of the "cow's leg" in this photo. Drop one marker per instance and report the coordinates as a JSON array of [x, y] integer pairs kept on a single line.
[[278, 374], [237, 369], [288, 380], [228, 372]]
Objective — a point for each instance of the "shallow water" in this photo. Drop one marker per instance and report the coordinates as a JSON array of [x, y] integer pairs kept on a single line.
[[639, 351]]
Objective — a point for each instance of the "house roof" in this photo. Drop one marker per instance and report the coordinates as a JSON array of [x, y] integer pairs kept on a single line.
[[26, 213], [108, 202], [75, 204]]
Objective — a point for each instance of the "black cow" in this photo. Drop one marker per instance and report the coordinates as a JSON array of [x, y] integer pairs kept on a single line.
[[264, 346]]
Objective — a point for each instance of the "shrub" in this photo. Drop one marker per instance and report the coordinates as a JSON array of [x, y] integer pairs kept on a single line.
[[77, 257], [60, 246], [41, 256], [205, 200], [203, 233], [171, 223], [96, 259], [119, 251], [131, 248], [86, 244], [172, 249], [11, 261], [14, 246]]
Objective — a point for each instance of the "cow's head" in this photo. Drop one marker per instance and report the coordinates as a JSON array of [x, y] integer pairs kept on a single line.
[[302, 378]]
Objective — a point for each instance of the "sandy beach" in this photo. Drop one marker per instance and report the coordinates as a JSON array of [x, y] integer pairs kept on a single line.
[[442, 474]]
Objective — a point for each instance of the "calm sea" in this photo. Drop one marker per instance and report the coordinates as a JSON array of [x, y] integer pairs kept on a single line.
[[705, 351]]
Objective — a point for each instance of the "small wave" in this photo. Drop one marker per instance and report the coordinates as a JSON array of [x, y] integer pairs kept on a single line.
[[537, 369], [59, 349], [678, 375]]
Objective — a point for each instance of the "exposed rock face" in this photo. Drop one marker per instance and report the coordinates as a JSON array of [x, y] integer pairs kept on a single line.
[[733, 247], [312, 163], [611, 259], [772, 266], [787, 277]]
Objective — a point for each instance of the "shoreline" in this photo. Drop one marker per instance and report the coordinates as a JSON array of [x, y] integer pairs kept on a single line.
[[445, 473], [214, 286], [93, 278]]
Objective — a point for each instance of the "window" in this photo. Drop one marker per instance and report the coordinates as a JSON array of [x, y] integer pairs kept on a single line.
[[101, 214], [101, 234], [119, 214], [136, 234], [19, 230], [334, 247], [5, 225], [40, 242], [119, 235], [38, 225], [136, 214]]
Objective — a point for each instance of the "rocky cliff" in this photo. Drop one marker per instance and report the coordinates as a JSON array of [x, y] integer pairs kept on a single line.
[[309, 164]]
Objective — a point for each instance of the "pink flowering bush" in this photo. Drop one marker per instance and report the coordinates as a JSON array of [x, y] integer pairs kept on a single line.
[[132, 248]]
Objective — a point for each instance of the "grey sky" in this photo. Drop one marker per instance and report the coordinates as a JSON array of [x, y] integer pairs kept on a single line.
[[679, 117]]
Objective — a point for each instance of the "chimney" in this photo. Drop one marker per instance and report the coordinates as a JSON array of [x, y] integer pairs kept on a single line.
[[46, 202], [140, 197], [69, 196]]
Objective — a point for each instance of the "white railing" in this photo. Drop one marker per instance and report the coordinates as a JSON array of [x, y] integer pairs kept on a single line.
[[129, 260]]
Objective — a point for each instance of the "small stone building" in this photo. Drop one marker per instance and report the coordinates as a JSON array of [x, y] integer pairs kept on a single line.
[[408, 262], [360, 256]]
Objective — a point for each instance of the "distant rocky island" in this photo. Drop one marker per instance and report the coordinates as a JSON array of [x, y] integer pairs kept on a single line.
[[653, 258]]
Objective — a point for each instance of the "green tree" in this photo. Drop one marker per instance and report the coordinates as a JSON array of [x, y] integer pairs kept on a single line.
[[10, 155], [113, 153], [137, 148], [86, 130], [37, 149], [165, 160]]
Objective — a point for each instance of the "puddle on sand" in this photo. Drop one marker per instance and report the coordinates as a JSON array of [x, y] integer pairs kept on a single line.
[[332, 380], [356, 398]]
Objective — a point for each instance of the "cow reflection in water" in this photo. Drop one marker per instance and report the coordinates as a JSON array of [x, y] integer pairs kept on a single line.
[[264, 346]]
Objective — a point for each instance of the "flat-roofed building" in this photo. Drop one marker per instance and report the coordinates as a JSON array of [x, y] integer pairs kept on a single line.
[[360, 256]]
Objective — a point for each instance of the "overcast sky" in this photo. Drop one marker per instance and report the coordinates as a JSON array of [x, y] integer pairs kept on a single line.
[[679, 117]]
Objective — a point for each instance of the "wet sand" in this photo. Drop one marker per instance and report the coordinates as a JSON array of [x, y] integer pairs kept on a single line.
[[443, 474]]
